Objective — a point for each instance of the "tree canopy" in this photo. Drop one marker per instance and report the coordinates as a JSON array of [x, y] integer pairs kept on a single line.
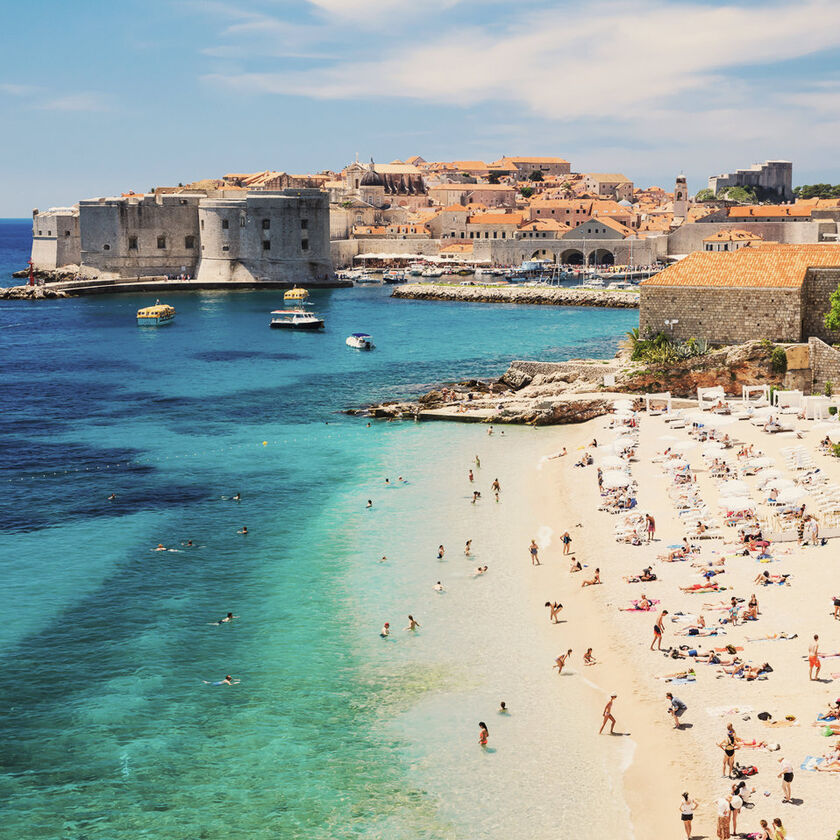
[[832, 317], [704, 195], [817, 191], [536, 175], [526, 192]]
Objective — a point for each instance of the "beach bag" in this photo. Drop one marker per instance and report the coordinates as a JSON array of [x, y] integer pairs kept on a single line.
[[764, 716], [731, 649], [745, 771]]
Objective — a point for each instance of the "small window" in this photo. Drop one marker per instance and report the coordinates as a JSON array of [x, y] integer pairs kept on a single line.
[[183, 201], [67, 233], [202, 224], [266, 224], [226, 247], [224, 224], [49, 233], [132, 243], [189, 242], [304, 224], [304, 243], [106, 247], [161, 242], [242, 220], [40, 233], [267, 245]]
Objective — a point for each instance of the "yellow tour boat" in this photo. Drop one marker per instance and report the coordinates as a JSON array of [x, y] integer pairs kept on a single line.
[[155, 316], [296, 295]]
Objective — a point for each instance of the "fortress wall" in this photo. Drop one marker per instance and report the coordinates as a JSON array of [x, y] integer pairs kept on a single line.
[[690, 237]]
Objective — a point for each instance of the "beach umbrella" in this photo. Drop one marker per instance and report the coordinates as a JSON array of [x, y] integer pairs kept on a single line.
[[612, 462], [684, 445], [791, 495], [779, 484], [736, 503], [614, 479], [735, 487], [760, 463], [768, 475], [676, 464], [622, 404], [712, 447]]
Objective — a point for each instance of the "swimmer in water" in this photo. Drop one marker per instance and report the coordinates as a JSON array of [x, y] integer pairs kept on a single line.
[[483, 734], [384, 559], [441, 551], [188, 543], [477, 462], [401, 480], [470, 476], [112, 497], [236, 497], [228, 680], [503, 709], [243, 530], [413, 624], [480, 570], [476, 496], [228, 618], [369, 504], [160, 547], [438, 587], [490, 431], [387, 480], [385, 631], [467, 547]]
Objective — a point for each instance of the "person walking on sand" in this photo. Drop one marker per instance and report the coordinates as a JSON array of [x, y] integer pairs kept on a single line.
[[495, 486], [658, 630], [814, 659], [567, 542], [483, 734], [676, 709], [687, 808], [608, 715], [470, 476], [554, 610], [560, 662], [650, 526], [534, 550], [786, 775]]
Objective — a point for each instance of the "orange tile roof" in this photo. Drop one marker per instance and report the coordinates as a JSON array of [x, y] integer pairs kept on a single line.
[[543, 224], [457, 248], [769, 211], [734, 236], [609, 177], [455, 208], [470, 164], [514, 219], [763, 266]]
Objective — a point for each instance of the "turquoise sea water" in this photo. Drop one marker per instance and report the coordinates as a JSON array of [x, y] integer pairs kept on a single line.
[[108, 728]]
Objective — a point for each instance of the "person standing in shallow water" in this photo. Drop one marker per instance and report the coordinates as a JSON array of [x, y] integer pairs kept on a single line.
[[608, 715], [483, 733], [534, 551]]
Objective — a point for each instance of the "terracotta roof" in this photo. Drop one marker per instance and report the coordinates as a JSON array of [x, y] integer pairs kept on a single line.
[[772, 211], [543, 224], [526, 159], [457, 248], [608, 177], [610, 223], [454, 208], [764, 266], [734, 236], [514, 219], [470, 164]]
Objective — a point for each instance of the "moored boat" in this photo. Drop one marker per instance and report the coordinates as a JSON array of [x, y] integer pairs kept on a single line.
[[155, 316], [394, 276], [295, 319]]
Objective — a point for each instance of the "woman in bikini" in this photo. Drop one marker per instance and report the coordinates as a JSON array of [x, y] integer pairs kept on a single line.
[[687, 808], [483, 734]]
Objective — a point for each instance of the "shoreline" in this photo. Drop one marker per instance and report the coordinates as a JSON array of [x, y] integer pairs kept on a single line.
[[531, 295]]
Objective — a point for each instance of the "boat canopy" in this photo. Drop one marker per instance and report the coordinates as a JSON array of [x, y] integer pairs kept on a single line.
[[289, 312], [360, 335]]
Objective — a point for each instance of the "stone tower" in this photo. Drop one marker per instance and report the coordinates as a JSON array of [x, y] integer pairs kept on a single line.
[[680, 198]]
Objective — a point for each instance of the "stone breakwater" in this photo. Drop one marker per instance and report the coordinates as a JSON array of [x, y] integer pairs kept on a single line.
[[546, 296], [31, 293]]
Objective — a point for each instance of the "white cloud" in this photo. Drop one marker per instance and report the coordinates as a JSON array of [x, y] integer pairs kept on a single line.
[[74, 102], [18, 90]]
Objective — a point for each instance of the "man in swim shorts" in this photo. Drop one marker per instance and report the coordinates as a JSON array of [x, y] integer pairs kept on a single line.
[[814, 659]]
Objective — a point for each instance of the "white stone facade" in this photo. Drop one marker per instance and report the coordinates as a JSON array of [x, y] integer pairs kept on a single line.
[[280, 236]]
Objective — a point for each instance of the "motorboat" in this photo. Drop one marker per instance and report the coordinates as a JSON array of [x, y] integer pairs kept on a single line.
[[433, 272], [484, 272], [295, 319], [360, 341], [393, 276], [155, 316], [366, 277], [296, 295], [416, 269]]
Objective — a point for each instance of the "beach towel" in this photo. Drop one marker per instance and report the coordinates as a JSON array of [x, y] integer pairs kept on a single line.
[[728, 649], [811, 762], [680, 680]]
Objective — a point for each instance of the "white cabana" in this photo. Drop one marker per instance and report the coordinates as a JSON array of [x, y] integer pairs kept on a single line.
[[664, 397], [816, 408], [791, 495], [623, 405], [787, 399], [710, 396], [755, 395], [615, 479]]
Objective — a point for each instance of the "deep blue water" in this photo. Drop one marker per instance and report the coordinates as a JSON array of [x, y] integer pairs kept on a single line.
[[108, 729]]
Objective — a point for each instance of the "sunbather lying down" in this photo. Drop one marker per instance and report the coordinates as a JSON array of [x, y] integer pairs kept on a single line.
[[765, 579], [645, 576], [746, 671], [773, 637]]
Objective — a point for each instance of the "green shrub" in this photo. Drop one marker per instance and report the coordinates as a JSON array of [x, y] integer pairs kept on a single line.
[[778, 360], [832, 410], [835, 450], [829, 388]]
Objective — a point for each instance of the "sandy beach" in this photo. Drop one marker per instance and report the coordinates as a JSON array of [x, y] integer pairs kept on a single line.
[[667, 761]]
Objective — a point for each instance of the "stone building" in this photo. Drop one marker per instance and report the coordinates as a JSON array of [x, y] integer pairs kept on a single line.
[[280, 236], [730, 240], [609, 185], [773, 175], [55, 238], [522, 167], [772, 291]]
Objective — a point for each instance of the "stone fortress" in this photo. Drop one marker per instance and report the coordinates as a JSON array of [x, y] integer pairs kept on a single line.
[[213, 236]]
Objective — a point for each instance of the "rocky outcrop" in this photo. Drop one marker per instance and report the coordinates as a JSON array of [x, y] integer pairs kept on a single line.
[[31, 293], [554, 413], [730, 367], [535, 295]]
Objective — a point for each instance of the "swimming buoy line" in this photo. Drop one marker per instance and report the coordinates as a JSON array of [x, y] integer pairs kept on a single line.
[[146, 461]]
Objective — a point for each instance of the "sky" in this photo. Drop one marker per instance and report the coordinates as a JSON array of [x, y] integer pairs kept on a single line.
[[98, 98]]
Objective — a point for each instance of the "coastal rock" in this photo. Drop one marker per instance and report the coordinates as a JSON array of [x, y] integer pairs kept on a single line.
[[534, 295], [554, 413], [31, 293]]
